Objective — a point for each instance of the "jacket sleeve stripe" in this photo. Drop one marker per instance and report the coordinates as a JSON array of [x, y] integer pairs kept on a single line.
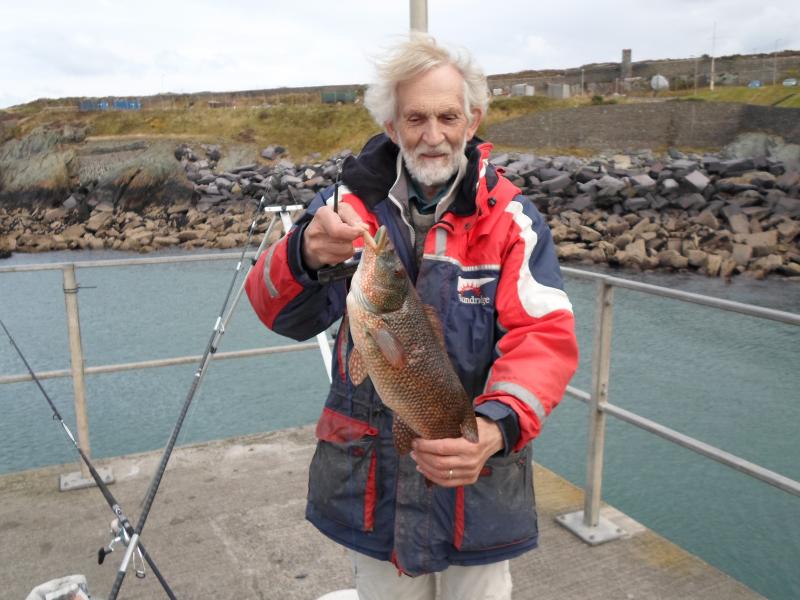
[[273, 291], [537, 299], [441, 242], [523, 394]]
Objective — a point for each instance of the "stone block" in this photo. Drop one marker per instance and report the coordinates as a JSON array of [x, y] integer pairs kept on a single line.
[[557, 183], [669, 185], [739, 223], [707, 219], [762, 243], [636, 252], [98, 221], [587, 234], [697, 180], [672, 259], [788, 180], [571, 251], [769, 263], [713, 265], [697, 258], [580, 203], [741, 253], [643, 181], [788, 230], [636, 204], [692, 201]]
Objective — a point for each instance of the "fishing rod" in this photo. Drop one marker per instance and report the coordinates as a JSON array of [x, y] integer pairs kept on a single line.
[[121, 526], [211, 347]]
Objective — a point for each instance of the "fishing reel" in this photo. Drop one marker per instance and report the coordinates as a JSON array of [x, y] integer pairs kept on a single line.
[[122, 536]]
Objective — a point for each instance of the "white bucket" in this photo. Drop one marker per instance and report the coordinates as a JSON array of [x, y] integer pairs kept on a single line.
[[340, 595]]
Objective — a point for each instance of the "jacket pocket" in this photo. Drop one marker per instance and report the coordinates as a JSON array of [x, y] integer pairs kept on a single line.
[[498, 509], [342, 481]]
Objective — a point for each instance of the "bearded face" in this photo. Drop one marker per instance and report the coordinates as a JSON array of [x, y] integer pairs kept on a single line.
[[433, 166], [432, 126]]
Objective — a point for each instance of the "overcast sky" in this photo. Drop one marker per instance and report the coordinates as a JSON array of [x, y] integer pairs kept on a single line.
[[135, 48]]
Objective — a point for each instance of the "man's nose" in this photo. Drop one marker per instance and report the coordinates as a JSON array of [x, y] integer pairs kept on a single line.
[[432, 134]]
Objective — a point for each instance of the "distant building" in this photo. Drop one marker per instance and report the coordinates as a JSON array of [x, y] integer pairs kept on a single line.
[[559, 91], [522, 89], [345, 96], [115, 104]]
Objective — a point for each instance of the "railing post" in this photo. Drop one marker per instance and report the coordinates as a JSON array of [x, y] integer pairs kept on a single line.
[[82, 479], [588, 524], [601, 364]]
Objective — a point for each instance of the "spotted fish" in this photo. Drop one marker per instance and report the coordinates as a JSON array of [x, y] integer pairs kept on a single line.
[[399, 344]]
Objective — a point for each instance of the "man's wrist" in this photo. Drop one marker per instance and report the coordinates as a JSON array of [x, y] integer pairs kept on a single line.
[[505, 419]]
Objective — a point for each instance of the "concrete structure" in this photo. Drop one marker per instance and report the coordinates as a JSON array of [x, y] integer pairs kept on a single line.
[[522, 89], [559, 91], [626, 67], [646, 125], [603, 78], [228, 523]]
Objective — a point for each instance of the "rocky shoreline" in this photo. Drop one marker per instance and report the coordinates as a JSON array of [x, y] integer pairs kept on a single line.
[[713, 214]]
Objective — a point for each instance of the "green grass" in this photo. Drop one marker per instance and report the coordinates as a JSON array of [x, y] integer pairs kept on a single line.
[[768, 95], [301, 123]]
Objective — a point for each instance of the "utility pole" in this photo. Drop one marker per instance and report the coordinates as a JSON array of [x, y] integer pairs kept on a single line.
[[419, 15], [713, 44], [695, 76], [581, 81], [775, 63]]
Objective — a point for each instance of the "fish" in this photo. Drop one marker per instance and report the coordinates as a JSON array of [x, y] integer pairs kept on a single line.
[[399, 344]]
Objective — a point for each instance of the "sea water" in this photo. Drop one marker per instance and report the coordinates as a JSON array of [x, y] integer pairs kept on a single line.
[[727, 379]]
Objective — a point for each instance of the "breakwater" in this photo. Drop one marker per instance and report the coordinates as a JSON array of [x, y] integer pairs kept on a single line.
[[716, 214]]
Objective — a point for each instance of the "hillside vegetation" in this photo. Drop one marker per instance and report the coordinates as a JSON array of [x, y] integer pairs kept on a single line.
[[300, 122], [768, 95]]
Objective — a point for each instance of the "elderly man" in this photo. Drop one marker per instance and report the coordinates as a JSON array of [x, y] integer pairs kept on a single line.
[[482, 256]]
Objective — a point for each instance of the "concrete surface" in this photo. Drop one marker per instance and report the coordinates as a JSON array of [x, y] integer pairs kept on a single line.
[[228, 524]]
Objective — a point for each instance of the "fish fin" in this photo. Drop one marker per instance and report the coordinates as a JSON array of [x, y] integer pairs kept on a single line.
[[436, 323], [403, 435], [357, 368], [390, 347], [469, 426]]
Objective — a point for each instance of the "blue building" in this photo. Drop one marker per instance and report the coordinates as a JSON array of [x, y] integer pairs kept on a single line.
[[116, 104]]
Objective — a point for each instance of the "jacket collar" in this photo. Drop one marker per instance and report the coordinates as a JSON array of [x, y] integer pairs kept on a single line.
[[371, 175]]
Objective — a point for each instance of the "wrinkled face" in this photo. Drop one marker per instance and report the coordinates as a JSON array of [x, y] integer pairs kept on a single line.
[[381, 275], [431, 126]]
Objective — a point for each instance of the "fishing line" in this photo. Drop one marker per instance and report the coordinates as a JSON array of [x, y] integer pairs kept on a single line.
[[211, 347], [125, 529]]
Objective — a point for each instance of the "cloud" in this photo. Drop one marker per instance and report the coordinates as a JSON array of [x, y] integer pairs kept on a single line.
[[100, 47]]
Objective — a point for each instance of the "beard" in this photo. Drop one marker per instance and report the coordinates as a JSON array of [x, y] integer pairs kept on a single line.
[[433, 172]]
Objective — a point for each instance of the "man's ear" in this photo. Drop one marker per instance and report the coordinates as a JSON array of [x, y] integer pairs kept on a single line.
[[477, 116], [391, 131]]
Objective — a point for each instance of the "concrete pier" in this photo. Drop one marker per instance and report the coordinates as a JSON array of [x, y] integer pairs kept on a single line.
[[228, 524]]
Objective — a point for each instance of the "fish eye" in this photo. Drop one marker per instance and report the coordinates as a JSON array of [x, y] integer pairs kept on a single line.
[[399, 272]]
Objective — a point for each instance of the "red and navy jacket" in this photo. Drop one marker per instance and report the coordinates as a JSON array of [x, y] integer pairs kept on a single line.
[[489, 268]]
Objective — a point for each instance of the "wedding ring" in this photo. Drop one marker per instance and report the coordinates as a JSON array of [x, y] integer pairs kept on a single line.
[[450, 474]]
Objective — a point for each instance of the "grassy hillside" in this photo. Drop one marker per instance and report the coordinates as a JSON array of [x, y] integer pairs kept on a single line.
[[300, 122], [768, 95]]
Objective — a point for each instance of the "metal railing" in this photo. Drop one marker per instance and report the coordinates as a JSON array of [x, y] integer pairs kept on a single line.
[[588, 523]]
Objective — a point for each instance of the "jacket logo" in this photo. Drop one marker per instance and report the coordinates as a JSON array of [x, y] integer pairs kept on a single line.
[[469, 290]]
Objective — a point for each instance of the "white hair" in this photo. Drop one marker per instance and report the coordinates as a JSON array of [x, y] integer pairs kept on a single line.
[[414, 56]]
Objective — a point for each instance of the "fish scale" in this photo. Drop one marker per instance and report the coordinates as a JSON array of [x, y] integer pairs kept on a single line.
[[399, 344]]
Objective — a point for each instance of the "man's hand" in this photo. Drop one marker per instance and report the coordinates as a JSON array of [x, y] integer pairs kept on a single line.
[[452, 462], [328, 239]]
